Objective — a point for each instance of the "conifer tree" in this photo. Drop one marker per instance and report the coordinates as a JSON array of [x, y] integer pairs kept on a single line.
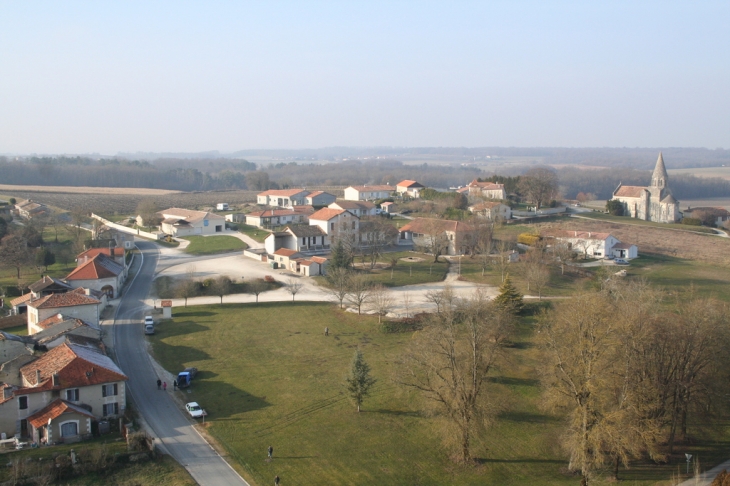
[[509, 297], [359, 381]]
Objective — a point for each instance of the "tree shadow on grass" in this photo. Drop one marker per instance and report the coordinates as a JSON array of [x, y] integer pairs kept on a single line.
[[532, 418], [485, 460], [173, 329], [402, 413], [509, 381], [176, 358], [184, 314], [225, 400]]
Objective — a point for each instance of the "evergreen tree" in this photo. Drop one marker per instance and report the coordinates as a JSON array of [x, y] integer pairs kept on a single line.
[[359, 381], [509, 297], [341, 256], [44, 258], [615, 207]]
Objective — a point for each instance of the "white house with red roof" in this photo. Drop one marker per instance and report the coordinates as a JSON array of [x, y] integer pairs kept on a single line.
[[283, 198], [358, 208], [409, 188], [272, 218], [61, 392], [99, 273], [490, 190], [449, 237], [595, 244], [77, 304]]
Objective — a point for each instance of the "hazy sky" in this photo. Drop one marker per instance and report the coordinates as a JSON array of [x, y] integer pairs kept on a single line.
[[192, 76]]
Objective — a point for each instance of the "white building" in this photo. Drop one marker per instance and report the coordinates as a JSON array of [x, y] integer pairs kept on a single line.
[[490, 190], [653, 203], [409, 188], [283, 198], [358, 208], [592, 244], [368, 193], [493, 210], [186, 222]]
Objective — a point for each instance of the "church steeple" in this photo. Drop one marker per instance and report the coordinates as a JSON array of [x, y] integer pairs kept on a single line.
[[660, 176]]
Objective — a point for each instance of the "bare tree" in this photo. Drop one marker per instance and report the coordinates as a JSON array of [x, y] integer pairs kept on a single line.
[[407, 303], [14, 252], [434, 237], [147, 210], [256, 287], [443, 299], [185, 289], [221, 286], [450, 361], [393, 263], [535, 270], [375, 235], [338, 281], [381, 300], [501, 260], [539, 185], [563, 254], [293, 287], [358, 290]]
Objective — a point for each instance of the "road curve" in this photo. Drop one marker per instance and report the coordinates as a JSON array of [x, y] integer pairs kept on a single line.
[[159, 410]]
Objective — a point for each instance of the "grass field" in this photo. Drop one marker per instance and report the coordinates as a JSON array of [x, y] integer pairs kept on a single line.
[[208, 245], [252, 231], [405, 272], [268, 376], [638, 222], [721, 172]]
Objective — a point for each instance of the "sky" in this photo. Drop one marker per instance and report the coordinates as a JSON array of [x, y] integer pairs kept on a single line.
[[109, 77]]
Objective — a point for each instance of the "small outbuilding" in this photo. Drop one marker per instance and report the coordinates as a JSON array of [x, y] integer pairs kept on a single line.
[[166, 309]]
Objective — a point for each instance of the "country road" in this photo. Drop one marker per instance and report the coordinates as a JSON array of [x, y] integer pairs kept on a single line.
[[165, 417]]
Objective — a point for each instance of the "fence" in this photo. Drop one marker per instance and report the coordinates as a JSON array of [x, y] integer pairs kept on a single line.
[[125, 229]]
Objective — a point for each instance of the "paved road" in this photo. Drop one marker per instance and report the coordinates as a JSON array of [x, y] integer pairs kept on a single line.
[[159, 410]]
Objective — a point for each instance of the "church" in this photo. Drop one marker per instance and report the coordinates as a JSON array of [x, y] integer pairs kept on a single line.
[[653, 203]]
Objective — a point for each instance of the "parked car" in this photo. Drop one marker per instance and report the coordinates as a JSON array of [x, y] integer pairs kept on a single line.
[[194, 410], [185, 377], [621, 261], [149, 320], [149, 329]]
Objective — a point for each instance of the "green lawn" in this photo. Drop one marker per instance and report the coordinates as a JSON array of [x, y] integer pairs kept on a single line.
[[208, 245], [405, 272], [252, 231], [268, 376]]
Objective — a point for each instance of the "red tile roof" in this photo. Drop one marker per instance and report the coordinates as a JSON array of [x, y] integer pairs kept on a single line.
[[325, 214], [100, 266], [69, 299], [408, 183], [54, 410], [274, 212], [92, 252], [74, 365], [21, 299], [629, 191], [319, 260], [285, 252], [282, 192], [50, 321]]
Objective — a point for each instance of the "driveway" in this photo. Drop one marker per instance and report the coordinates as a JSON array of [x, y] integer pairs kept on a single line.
[[163, 415]]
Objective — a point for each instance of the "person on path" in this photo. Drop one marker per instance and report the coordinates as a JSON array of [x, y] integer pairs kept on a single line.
[[276, 481], [271, 452], [174, 385], [164, 386], [159, 382], [326, 331]]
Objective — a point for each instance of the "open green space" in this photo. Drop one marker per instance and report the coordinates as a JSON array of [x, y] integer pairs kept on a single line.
[[269, 376], [421, 270], [252, 231], [208, 245], [600, 216]]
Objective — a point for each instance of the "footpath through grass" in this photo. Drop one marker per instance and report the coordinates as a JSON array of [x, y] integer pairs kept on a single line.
[[269, 376], [209, 245]]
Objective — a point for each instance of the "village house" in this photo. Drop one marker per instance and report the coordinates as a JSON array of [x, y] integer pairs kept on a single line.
[[29, 209], [319, 198], [283, 198], [273, 218], [324, 225], [493, 210], [335, 222], [593, 244], [186, 222], [99, 272], [45, 286], [653, 203], [489, 190], [114, 253], [357, 208], [409, 188], [77, 303], [450, 237], [61, 393], [368, 193], [62, 329], [386, 207]]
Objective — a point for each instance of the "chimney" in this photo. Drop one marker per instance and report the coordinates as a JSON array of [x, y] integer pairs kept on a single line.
[[576, 234], [87, 291], [56, 381], [37, 377]]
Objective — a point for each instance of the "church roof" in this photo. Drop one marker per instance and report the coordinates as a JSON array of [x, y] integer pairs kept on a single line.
[[669, 199], [660, 172], [629, 191]]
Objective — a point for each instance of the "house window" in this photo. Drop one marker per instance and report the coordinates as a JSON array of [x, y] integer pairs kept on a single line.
[[22, 403], [69, 429], [72, 395], [110, 409], [353, 225], [24, 428], [332, 226], [205, 222], [109, 390]]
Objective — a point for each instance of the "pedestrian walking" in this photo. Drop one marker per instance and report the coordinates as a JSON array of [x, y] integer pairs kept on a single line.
[[271, 452], [174, 385], [159, 383], [276, 481], [164, 386]]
